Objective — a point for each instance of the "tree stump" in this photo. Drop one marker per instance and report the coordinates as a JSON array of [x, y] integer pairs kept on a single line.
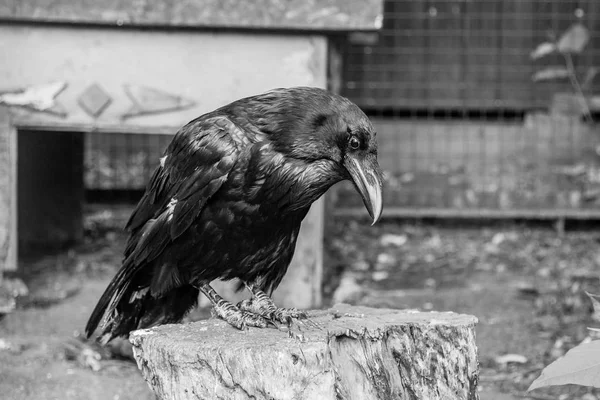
[[356, 353]]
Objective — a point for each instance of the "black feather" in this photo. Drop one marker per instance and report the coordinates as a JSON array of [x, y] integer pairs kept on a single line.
[[226, 202]]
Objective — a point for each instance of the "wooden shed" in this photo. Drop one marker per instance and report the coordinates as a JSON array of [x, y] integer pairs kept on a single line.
[[146, 68]]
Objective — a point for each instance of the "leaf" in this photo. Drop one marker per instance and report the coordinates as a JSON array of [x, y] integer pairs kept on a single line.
[[574, 39], [542, 50], [596, 303], [551, 73], [580, 366]]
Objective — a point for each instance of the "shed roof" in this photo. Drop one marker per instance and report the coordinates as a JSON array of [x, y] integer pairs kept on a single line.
[[315, 15]]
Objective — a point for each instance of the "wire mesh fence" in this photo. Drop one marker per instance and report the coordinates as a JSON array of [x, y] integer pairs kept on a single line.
[[122, 161], [462, 124]]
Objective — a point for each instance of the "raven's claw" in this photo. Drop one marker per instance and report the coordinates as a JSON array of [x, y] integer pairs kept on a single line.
[[235, 317], [262, 305], [265, 307], [240, 319]]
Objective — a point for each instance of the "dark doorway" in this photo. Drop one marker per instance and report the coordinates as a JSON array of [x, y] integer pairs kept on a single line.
[[50, 190]]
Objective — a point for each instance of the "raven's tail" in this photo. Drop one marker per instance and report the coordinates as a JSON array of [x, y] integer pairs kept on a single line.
[[129, 305]]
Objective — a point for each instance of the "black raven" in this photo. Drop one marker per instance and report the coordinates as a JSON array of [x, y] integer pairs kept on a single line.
[[227, 201]]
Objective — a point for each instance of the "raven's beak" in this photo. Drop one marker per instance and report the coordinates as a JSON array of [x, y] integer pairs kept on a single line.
[[366, 175]]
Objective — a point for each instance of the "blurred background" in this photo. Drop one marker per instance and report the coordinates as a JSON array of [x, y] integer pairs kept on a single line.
[[486, 113]]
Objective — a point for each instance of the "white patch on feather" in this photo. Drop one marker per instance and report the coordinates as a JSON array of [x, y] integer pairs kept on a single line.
[[278, 158], [171, 208], [138, 294], [265, 147], [162, 161]]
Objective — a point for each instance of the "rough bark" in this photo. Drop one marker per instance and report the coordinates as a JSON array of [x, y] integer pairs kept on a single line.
[[357, 353], [8, 216]]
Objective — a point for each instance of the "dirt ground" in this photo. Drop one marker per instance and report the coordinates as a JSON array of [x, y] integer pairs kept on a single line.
[[525, 285]]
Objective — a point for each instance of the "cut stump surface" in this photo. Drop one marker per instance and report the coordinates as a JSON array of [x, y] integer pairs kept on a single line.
[[357, 353]]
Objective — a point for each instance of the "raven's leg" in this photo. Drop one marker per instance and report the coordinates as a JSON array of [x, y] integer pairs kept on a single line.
[[262, 304], [223, 309]]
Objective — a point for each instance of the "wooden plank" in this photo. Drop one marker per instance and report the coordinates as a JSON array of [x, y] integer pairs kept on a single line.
[[8, 205], [31, 123], [325, 15], [12, 259]]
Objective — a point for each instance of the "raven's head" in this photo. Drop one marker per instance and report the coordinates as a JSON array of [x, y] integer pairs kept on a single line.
[[315, 125]]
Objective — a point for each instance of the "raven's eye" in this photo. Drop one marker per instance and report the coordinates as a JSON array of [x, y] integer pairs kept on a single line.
[[354, 143]]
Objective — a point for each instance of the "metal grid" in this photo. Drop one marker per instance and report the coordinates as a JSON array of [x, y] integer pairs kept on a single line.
[[121, 161], [461, 124]]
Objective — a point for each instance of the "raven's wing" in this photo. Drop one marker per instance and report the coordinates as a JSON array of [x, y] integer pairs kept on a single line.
[[195, 165], [193, 168]]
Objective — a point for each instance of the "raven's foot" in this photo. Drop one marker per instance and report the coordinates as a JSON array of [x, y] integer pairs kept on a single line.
[[238, 318], [265, 307], [292, 319], [235, 317]]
